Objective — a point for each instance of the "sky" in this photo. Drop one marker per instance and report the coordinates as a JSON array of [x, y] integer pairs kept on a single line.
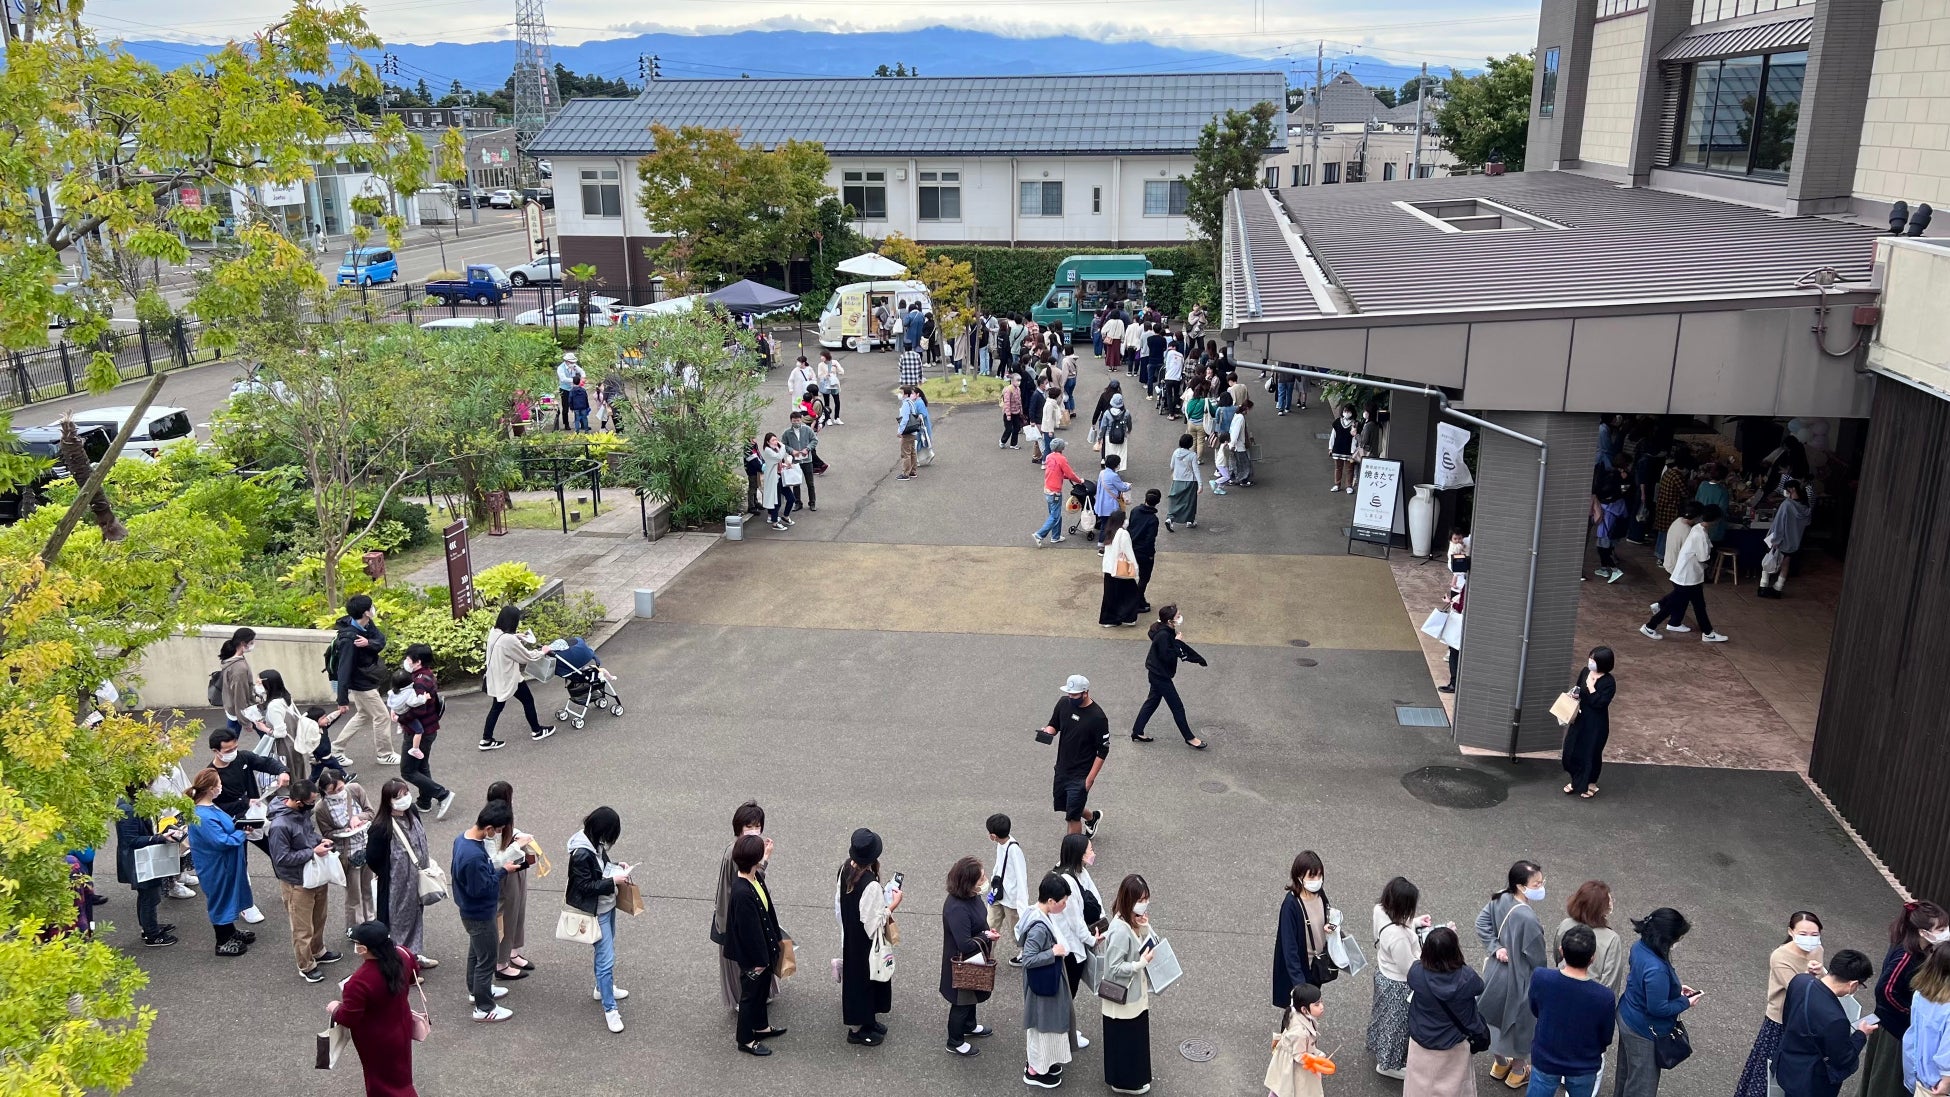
[[1459, 31]]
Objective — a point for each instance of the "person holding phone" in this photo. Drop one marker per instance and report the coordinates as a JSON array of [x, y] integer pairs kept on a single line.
[[1653, 1000], [1128, 947], [1300, 943], [1917, 932], [1081, 924], [1820, 1047], [752, 943], [592, 890], [1800, 953], [863, 908]]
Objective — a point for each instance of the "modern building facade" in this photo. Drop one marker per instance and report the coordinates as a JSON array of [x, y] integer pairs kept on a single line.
[[1362, 140], [1073, 161], [441, 118]]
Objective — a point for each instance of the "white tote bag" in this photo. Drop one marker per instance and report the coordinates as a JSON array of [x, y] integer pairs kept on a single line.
[[157, 861], [322, 869], [1438, 620]]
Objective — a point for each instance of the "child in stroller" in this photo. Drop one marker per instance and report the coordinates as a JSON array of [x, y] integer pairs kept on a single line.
[[588, 682]]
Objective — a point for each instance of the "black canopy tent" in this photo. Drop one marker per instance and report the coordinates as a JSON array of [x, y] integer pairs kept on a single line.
[[749, 298]]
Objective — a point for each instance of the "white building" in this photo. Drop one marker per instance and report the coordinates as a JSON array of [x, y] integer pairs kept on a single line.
[[1074, 161], [1362, 140]]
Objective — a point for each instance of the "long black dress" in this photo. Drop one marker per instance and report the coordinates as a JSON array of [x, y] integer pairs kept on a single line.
[[1584, 740], [860, 997]]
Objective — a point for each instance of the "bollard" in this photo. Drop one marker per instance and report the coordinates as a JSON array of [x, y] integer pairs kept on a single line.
[[734, 527], [646, 603]]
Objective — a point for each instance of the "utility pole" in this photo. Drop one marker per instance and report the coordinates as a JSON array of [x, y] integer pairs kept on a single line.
[[1320, 78], [1421, 89]]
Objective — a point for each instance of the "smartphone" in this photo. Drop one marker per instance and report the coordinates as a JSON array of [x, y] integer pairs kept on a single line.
[[1869, 1019], [1044, 736], [1149, 944], [898, 877]]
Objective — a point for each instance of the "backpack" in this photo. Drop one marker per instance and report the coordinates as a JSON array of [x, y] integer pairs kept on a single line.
[[216, 688], [332, 659], [1119, 423]]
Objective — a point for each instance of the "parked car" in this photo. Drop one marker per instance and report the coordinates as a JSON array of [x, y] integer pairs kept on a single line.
[[364, 266], [503, 199], [547, 269], [482, 283], [603, 312], [544, 195], [45, 442], [158, 427], [453, 323]]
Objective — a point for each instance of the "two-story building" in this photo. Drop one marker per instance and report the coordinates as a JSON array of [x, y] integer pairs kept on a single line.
[[1362, 139]]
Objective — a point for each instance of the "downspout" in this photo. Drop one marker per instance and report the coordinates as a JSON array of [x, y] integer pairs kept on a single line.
[[629, 276], [1015, 191], [1536, 520]]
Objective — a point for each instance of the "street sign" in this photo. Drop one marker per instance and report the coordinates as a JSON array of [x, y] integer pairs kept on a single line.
[[284, 194], [460, 569], [531, 212], [1377, 496]]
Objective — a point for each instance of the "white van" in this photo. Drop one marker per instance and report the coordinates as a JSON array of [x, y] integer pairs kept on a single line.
[[847, 318]]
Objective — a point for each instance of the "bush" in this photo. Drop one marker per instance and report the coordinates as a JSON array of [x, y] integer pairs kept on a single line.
[[460, 647], [1015, 280], [506, 584]]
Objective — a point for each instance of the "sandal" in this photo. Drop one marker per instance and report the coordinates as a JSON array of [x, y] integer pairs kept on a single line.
[[1588, 794], [1567, 790]]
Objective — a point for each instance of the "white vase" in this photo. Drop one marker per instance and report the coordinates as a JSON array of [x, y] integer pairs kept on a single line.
[[1421, 520]]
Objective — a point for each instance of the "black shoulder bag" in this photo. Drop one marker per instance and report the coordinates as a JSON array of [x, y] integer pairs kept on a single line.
[[1479, 1039]]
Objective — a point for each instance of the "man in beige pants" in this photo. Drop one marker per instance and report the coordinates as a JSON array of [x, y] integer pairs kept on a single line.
[[360, 673], [294, 841]]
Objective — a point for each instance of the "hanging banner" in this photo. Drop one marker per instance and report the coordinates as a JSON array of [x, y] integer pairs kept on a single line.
[[1450, 470], [1377, 495]]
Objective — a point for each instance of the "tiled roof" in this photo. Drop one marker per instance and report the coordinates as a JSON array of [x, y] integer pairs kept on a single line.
[[1343, 101], [924, 116]]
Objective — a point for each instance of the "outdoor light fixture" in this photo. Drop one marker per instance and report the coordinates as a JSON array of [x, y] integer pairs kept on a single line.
[[1920, 220], [1898, 215]]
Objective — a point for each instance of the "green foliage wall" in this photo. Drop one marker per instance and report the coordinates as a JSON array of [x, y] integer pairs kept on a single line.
[[1014, 279]]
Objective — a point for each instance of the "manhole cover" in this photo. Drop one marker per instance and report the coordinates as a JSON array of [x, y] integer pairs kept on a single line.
[[1308, 662], [1455, 787], [1199, 1051], [1212, 786], [1301, 643]]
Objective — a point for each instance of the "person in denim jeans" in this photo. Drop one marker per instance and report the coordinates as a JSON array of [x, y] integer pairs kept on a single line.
[[592, 889], [1576, 1016], [1056, 473]]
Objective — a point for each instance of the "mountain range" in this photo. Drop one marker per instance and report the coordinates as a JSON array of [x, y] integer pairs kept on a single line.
[[932, 51]]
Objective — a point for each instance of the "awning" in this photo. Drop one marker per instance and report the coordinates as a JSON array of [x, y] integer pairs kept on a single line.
[[1737, 41]]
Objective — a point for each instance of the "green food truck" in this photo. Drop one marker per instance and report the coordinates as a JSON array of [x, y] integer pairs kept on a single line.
[[1085, 283]]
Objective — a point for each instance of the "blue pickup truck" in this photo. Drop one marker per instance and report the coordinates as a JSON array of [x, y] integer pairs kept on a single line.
[[484, 284]]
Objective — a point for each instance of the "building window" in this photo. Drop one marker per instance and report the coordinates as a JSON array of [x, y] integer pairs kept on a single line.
[[1388, 172], [940, 196], [417, 123], [1096, 199], [1044, 199], [1741, 114], [1306, 174], [1547, 94], [1609, 8], [1425, 171], [866, 192], [1708, 11], [602, 193], [1166, 197], [1357, 172], [1296, 175], [1330, 173]]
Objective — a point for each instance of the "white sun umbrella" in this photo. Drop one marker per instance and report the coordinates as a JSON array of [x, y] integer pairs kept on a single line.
[[872, 265]]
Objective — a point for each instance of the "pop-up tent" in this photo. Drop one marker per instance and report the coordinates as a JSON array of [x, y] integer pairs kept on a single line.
[[749, 298], [872, 265]]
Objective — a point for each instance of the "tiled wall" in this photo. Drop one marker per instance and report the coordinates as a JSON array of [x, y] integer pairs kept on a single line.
[[1612, 93], [1906, 130]]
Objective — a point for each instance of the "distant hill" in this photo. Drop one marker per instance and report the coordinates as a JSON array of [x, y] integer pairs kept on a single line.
[[934, 51]]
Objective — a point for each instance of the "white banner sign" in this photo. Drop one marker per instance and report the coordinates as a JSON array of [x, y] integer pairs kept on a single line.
[[1450, 469], [284, 194], [1377, 491]]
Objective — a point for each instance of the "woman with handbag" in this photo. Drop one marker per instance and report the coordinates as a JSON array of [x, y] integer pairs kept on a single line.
[[1650, 1037], [749, 818], [1396, 947], [512, 911], [375, 1009], [1300, 944], [1514, 938], [864, 910], [1048, 1020], [1081, 926], [592, 891], [508, 657], [344, 815], [1121, 595], [965, 939], [1918, 931], [1444, 1029], [752, 941], [396, 851], [1584, 738], [1125, 989]]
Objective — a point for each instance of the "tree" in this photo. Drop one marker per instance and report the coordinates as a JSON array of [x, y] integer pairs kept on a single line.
[[1386, 94], [1412, 88], [582, 281], [424, 93], [692, 391], [1488, 113], [950, 282], [730, 209], [1230, 152], [472, 378], [900, 69]]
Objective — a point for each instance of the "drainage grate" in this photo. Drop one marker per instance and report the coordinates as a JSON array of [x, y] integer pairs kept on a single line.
[[1418, 716], [1199, 1051], [1455, 787]]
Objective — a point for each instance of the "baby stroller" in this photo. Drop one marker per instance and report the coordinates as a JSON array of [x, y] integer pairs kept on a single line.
[[589, 686], [1083, 504]]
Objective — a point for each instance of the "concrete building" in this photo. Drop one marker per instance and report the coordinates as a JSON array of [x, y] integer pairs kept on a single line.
[[441, 118], [1362, 140], [1073, 161], [1697, 237]]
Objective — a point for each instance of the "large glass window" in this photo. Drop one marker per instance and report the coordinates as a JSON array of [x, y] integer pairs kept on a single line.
[[1043, 199], [1166, 197], [1708, 11], [1330, 173], [940, 195], [602, 193], [1742, 113], [866, 192], [1547, 95]]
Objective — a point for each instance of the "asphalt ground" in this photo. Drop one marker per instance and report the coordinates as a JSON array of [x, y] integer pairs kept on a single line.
[[882, 665]]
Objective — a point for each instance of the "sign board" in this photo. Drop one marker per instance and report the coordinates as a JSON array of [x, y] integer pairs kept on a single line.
[[189, 198], [1450, 469], [1377, 498], [283, 194], [853, 314], [460, 569], [531, 212]]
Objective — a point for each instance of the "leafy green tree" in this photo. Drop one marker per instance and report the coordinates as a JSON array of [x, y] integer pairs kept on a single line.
[[1386, 94], [730, 209], [1488, 113], [472, 378], [1230, 152]]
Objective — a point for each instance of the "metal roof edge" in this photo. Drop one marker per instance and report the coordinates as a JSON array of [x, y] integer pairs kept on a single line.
[[1842, 293], [916, 81]]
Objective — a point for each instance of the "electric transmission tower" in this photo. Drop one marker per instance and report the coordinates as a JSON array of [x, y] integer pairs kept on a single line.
[[536, 96]]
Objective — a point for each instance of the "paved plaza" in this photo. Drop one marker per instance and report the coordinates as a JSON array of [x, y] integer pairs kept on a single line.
[[882, 665]]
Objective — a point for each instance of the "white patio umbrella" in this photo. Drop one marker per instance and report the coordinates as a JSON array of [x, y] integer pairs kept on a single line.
[[872, 265]]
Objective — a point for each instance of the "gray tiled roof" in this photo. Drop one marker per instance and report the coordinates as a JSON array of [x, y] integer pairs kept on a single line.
[[1343, 101], [925, 116]]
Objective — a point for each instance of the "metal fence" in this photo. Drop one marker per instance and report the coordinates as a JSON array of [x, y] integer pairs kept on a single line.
[[52, 372]]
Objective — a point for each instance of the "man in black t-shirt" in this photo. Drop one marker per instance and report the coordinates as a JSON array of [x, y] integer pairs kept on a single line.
[[1082, 743]]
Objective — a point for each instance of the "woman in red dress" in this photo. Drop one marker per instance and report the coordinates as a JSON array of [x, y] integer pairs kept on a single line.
[[376, 1010]]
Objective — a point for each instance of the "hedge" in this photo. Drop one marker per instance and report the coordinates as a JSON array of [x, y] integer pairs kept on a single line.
[[1012, 280]]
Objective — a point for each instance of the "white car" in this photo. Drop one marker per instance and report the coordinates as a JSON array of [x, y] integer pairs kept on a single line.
[[451, 323], [504, 199], [547, 269], [158, 427], [602, 313]]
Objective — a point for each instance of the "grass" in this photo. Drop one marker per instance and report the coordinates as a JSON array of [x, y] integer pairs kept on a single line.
[[948, 390], [542, 514]]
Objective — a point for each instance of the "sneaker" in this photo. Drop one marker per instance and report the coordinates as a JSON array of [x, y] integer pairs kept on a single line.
[[1679, 628], [1713, 638], [328, 956], [1093, 824], [232, 947], [1646, 631], [965, 1050], [340, 760], [1216, 490], [596, 993], [1042, 1081], [252, 915], [614, 1019], [839, 422], [1038, 538], [1336, 487], [788, 521], [1015, 961], [188, 878], [540, 734], [426, 962], [1082, 1041], [498, 991], [780, 526], [388, 759], [1169, 528], [248, 936], [178, 891], [1615, 576], [446, 802], [312, 976], [493, 1016], [160, 940], [1002, 445], [491, 744], [903, 477]]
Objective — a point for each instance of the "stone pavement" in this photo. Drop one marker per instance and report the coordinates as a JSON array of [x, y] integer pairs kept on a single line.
[[881, 665]]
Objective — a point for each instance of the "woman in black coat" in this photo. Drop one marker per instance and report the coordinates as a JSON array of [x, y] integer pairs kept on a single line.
[[751, 941], [1584, 740], [1160, 666], [965, 934], [864, 909]]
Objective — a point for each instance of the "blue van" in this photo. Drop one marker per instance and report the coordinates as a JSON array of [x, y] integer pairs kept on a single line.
[[364, 266]]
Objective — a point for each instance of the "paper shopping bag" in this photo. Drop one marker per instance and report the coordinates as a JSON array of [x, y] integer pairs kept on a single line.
[[629, 897]]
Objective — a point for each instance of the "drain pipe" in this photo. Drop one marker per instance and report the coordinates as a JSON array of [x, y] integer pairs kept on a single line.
[[1537, 517]]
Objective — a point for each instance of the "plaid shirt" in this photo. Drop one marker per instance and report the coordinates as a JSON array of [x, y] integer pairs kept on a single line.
[[910, 366]]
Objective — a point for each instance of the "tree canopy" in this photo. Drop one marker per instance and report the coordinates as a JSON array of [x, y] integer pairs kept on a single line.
[[730, 208], [1230, 152], [1488, 113]]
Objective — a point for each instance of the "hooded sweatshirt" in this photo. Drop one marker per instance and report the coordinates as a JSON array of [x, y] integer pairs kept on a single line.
[[292, 835], [1429, 1024], [359, 669], [589, 877]]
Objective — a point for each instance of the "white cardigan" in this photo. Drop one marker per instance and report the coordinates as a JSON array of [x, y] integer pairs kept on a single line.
[[1120, 549], [507, 657]]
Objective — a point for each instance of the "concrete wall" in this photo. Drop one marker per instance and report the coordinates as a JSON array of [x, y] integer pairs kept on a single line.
[[1566, 26], [1905, 139], [175, 672], [1828, 135], [1612, 92]]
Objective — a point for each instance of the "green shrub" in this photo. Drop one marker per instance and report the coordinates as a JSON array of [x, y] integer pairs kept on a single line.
[[506, 584], [1016, 279], [576, 615], [460, 647]]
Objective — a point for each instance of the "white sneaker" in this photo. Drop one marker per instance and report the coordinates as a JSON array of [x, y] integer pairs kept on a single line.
[[252, 915], [1647, 632], [614, 1019], [839, 422], [498, 1013], [1082, 1040], [446, 802], [597, 994], [178, 891], [1713, 638], [499, 992], [187, 878], [1336, 487], [1679, 628]]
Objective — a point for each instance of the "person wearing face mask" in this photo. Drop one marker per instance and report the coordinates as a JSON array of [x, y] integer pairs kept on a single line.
[[357, 676], [1047, 1010], [749, 818], [476, 889], [1800, 954], [1340, 446], [1300, 945], [243, 696], [966, 937], [1585, 738], [1080, 926], [396, 849], [294, 841], [512, 913], [1821, 1046], [592, 890], [344, 815], [1917, 930], [239, 772], [1653, 1000], [376, 1009], [1161, 666], [1127, 964], [218, 846], [1513, 937]]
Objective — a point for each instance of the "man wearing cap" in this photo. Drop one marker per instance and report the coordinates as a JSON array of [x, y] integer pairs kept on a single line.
[[800, 441], [1082, 743], [566, 376]]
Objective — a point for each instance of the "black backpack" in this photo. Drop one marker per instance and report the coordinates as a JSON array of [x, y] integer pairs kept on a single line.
[[216, 688], [1119, 423], [332, 659]]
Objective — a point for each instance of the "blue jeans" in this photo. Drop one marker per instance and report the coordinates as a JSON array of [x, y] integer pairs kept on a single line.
[[1069, 394], [1097, 341], [985, 361], [1283, 395], [1575, 1085], [582, 421], [606, 959], [1053, 526]]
